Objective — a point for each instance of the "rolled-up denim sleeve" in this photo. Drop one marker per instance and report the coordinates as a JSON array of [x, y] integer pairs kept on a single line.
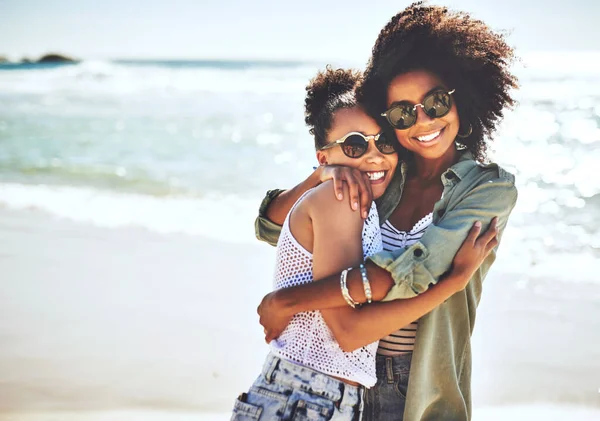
[[417, 267], [265, 229]]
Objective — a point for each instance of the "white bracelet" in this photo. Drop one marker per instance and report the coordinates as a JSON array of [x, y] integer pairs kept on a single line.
[[344, 288], [366, 283]]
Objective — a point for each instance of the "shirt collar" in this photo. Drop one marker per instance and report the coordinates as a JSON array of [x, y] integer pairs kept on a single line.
[[464, 164], [459, 170]]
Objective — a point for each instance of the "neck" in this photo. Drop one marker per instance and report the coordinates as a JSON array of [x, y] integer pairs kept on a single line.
[[430, 170]]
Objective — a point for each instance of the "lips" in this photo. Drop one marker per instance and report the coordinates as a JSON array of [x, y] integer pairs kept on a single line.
[[430, 137], [376, 177]]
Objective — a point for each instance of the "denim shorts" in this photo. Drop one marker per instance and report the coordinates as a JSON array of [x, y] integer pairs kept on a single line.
[[386, 400], [288, 391]]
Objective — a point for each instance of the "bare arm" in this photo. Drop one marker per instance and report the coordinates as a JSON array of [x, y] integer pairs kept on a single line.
[[355, 328], [278, 307], [358, 191], [337, 244], [488, 193], [280, 206]]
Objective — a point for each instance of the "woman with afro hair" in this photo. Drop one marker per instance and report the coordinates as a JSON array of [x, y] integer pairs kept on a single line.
[[439, 81], [311, 370]]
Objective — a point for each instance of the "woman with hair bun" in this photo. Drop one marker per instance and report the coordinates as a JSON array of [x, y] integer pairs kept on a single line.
[[439, 82], [314, 369]]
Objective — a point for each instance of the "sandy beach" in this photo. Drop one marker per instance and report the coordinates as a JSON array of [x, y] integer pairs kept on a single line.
[[104, 319], [104, 324]]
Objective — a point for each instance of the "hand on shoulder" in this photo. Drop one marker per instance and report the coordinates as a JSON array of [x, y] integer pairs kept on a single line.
[[321, 203], [321, 211]]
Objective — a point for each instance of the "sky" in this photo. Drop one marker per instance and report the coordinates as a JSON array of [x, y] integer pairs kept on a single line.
[[265, 29]]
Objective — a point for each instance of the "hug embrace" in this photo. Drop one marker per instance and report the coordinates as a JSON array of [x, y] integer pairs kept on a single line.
[[375, 301]]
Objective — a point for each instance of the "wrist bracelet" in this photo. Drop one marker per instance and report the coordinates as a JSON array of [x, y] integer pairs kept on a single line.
[[366, 283], [344, 288]]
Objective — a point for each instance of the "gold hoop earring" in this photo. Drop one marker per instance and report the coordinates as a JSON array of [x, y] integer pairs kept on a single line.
[[462, 136]]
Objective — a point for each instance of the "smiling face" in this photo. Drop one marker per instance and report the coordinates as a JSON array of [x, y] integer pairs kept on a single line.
[[430, 138], [379, 167]]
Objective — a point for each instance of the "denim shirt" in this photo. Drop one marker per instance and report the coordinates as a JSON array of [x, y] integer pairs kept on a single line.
[[440, 374]]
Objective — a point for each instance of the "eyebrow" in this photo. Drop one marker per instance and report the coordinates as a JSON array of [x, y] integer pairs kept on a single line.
[[432, 90]]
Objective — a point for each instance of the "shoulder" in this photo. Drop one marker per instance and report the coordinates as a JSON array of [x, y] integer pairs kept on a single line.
[[491, 180], [474, 173], [493, 172], [321, 203], [467, 169]]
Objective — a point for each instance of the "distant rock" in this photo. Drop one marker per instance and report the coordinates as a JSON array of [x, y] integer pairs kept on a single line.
[[55, 58], [3, 59]]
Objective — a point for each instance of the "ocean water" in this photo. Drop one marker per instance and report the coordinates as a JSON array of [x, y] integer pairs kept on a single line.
[[191, 147]]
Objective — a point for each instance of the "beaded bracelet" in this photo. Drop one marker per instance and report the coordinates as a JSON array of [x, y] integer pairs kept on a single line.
[[344, 288], [366, 283]]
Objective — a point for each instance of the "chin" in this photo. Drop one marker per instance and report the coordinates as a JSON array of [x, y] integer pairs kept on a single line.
[[436, 152], [378, 191]]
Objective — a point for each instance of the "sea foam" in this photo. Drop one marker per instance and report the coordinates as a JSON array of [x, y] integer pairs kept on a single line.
[[222, 217]]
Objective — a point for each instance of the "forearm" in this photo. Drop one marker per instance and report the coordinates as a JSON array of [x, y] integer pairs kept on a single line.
[[326, 293], [374, 321], [281, 205]]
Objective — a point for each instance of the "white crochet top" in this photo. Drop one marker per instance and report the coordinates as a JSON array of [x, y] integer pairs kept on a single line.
[[307, 339]]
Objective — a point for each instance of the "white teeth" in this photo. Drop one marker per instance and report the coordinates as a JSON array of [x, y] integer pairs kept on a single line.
[[429, 137], [375, 175]]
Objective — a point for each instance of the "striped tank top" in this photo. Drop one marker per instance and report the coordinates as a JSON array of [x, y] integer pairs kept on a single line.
[[402, 340]]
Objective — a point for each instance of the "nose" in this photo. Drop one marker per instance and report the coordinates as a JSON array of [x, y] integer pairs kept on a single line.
[[373, 155], [422, 117]]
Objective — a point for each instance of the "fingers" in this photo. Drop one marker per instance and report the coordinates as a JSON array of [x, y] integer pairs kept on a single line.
[[338, 188], [359, 188], [354, 188], [366, 196], [338, 175], [490, 233], [490, 246], [474, 233], [344, 174]]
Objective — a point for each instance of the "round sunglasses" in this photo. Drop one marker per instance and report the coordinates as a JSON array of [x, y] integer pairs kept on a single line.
[[403, 114], [355, 144]]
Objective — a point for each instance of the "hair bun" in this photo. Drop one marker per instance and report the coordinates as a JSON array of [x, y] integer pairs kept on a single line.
[[324, 87]]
